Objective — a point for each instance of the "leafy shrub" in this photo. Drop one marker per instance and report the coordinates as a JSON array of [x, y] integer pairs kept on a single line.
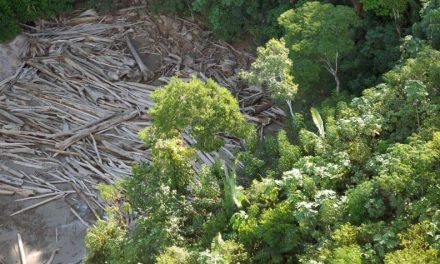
[[348, 254], [253, 167], [289, 153], [345, 235], [8, 25], [104, 241], [386, 7], [415, 248], [363, 204], [272, 69], [230, 250], [174, 255]]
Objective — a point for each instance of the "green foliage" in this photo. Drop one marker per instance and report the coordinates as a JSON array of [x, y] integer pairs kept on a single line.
[[109, 192], [23, 11], [173, 161], [169, 6], [429, 26], [289, 153], [347, 254], [174, 255], [386, 7], [208, 257], [318, 121], [253, 167], [415, 248], [376, 53], [345, 235], [104, 241], [361, 204], [316, 34], [230, 19], [272, 68], [161, 212], [8, 25], [205, 109], [103, 6], [233, 197], [271, 235], [231, 251]]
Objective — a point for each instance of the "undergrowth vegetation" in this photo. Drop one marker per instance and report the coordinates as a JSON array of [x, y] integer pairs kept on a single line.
[[24, 11]]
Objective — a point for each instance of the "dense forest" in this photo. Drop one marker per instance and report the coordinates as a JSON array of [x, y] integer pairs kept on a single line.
[[353, 176]]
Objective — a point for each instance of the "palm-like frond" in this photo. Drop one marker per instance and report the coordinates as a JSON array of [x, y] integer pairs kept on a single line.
[[318, 121]]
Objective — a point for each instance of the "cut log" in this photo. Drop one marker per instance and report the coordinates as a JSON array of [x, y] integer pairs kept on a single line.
[[11, 180], [144, 69], [19, 191], [11, 171], [98, 127], [37, 204], [37, 189], [21, 249], [4, 192]]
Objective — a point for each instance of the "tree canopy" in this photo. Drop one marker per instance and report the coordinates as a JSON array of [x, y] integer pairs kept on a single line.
[[204, 109], [319, 37]]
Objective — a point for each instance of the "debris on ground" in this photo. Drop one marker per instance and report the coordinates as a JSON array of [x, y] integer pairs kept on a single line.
[[70, 114]]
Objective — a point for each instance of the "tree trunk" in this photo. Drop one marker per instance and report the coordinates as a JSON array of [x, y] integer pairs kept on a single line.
[[289, 103], [357, 6], [338, 83], [333, 70]]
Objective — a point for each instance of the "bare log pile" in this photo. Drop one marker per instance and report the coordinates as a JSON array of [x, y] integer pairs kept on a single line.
[[73, 109]]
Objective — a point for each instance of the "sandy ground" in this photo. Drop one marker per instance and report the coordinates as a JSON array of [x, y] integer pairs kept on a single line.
[[44, 229], [10, 56]]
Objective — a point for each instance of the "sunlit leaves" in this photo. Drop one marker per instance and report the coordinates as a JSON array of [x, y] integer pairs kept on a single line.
[[173, 161], [205, 109], [272, 67]]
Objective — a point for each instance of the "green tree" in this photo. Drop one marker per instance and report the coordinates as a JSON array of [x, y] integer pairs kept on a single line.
[[205, 109], [272, 68], [319, 36], [230, 19], [429, 26], [391, 8]]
